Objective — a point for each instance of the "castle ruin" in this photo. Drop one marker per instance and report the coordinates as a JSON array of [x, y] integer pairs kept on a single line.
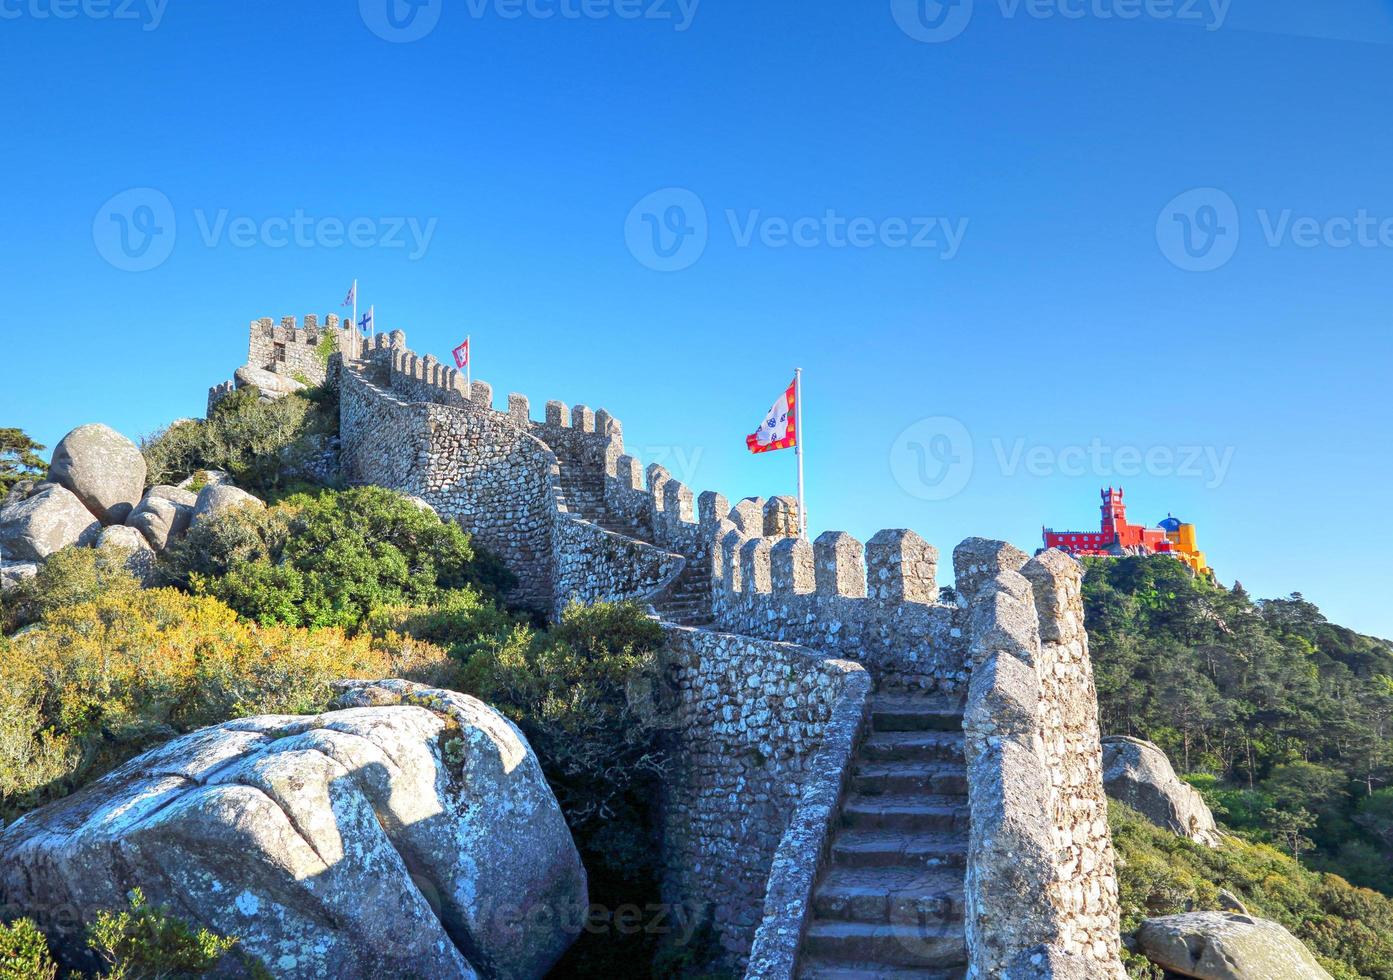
[[869, 779]]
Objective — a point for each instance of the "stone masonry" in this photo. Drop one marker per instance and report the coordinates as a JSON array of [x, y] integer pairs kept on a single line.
[[868, 779]]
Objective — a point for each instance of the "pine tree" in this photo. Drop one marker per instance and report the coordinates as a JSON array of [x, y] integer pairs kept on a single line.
[[19, 459]]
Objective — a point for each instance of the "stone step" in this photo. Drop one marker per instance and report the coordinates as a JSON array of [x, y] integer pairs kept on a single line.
[[916, 850], [913, 746], [892, 894], [920, 811], [936, 946], [818, 969], [940, 778], [910, 713]]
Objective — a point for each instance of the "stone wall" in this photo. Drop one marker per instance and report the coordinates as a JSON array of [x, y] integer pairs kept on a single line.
[[772, 700], [875, 603], [750, 719], [1041, 886], [470, 463], [595, 565]]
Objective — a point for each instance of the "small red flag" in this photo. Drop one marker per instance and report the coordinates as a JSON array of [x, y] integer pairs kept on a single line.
[[462, 355]]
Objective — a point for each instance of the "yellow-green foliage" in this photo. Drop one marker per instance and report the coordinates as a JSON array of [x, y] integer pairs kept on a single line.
[[69, 576], [256, 442], [98, 681], [24, 953], [1349, 929], [144, 942], [140, 942]]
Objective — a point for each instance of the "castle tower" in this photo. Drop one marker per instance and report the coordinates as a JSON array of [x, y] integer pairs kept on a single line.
[[1114, 510]]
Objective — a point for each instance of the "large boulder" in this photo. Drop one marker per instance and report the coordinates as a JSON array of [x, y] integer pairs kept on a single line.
[[1138, 774], [140, 558], [48, 520], [203, 478], [218, 498], [410, 833], [104, 468], [1226, 946], [163, 515]]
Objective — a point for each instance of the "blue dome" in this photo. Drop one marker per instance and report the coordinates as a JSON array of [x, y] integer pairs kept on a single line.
[[1171, 524]]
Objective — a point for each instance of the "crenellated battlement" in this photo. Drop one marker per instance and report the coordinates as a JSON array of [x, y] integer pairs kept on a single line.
[[575, 516]]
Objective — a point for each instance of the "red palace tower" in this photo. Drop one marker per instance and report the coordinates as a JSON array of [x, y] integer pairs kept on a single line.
[[1116, 536]]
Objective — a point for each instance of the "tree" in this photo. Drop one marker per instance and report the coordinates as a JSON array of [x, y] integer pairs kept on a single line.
[[19, 459]]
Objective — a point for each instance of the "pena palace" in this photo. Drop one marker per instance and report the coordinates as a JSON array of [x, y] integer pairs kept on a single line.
[[1117, 537]]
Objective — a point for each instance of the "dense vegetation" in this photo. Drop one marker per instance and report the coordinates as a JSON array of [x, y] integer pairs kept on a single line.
[[1281, 718], [1349, 929], [109, 670], [330, 558], [263, 446]]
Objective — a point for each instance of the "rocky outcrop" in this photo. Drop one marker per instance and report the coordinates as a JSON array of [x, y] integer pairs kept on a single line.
[[409, 834], [1138, 774], [103, 468], [1226, 946], [163, 515], [268, 383], [50, 519], [221, 497], [140, 559], [204, 478], [12, 573]]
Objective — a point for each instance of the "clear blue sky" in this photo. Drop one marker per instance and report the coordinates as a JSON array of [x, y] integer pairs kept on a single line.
[[983, 388]]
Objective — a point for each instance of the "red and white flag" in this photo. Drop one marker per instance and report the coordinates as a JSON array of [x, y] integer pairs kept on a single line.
[[462, 356], [780, 428]]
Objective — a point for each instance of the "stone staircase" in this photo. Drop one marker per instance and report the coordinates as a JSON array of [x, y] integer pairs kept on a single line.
[[580, 490], [889, 902]]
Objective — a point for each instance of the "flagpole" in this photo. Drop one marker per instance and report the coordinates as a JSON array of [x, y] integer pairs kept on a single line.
[[798, 446], [469, 363], [356, 328]]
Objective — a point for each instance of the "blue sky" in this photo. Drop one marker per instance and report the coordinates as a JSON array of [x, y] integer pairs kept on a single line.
[[1023, 250]]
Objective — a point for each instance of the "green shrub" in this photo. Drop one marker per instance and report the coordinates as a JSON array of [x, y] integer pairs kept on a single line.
[[329, 559], [259, 444], [585, 694], [1349, 929], [70, 576], [145, 942], [95, 683], [24, 953]]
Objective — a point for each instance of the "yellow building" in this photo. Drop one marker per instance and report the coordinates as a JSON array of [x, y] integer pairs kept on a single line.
[[1182, 539]]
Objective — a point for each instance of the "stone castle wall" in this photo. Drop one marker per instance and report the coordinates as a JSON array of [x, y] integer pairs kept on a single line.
[[292, 349], [772, 698], [1041, 884], [751, 718]]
